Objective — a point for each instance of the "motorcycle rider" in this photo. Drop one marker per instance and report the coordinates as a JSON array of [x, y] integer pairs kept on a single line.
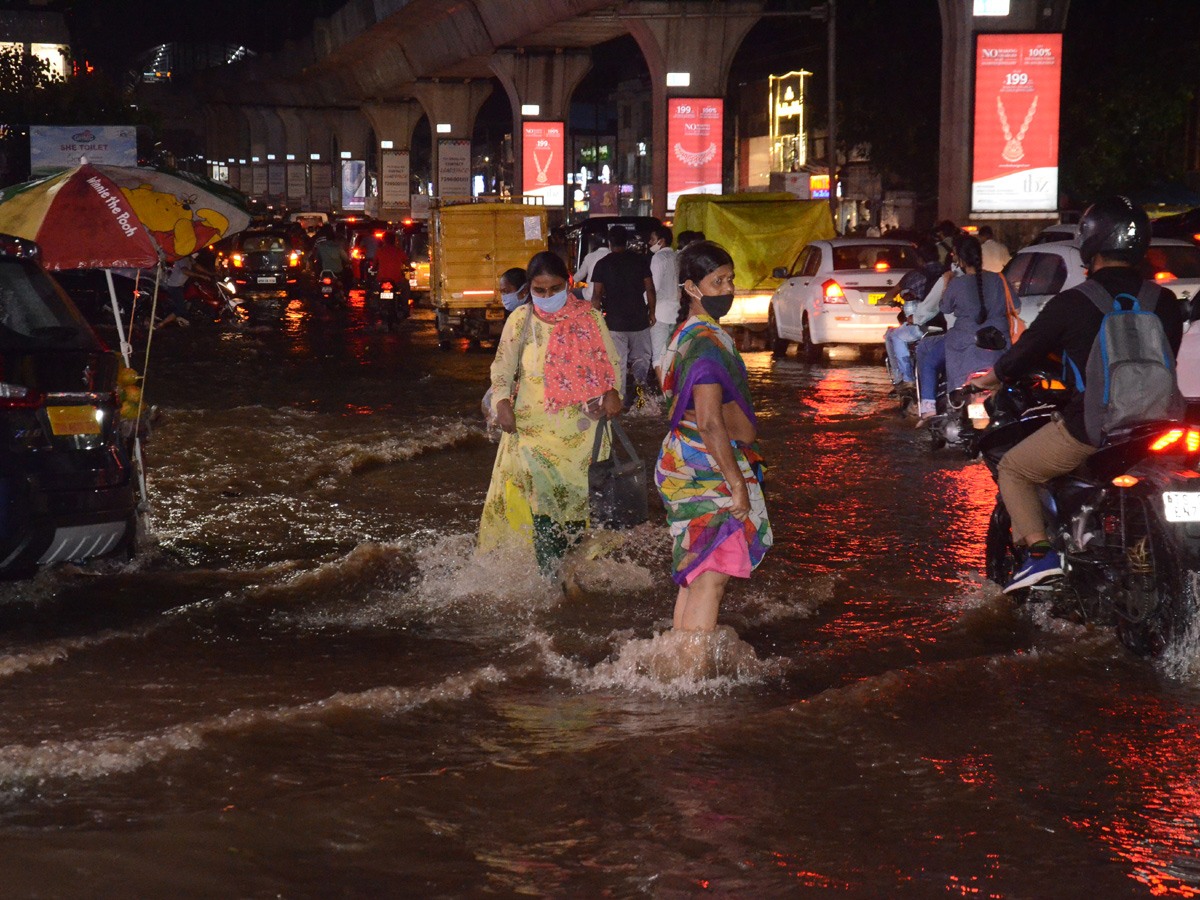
[[914, 287], [329, 255], [1113, 237]]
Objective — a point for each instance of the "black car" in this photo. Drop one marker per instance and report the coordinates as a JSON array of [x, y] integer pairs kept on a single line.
[[66, 480], [265, 269]]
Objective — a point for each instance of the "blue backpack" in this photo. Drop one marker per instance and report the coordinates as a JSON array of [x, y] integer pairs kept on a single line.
[[1131, 370]]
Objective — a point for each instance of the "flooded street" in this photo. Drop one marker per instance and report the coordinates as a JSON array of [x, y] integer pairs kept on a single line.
[[308, 687]]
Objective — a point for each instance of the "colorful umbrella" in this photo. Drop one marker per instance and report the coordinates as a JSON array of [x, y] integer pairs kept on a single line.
[[106, 217]]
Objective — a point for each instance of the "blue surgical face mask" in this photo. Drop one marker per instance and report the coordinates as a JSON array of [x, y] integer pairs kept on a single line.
[[511, 301], [551, 304]]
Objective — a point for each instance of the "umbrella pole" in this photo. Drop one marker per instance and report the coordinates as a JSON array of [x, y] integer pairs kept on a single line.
[[126, 349]]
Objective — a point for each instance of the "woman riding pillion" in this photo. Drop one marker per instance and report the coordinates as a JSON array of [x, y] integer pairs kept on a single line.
[[975, 304], [555, 374], [709, 471]]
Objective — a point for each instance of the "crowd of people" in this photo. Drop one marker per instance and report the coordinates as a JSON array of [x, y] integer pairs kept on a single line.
[[569, 359]]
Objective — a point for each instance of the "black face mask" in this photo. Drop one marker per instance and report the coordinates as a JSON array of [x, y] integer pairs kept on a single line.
[[717, 306]]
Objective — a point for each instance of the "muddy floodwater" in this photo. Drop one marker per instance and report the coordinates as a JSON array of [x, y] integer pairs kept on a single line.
[[308, 687]]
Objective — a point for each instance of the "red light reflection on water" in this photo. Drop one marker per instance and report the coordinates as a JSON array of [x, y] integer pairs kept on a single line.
[[1158, 828], [971, 492]]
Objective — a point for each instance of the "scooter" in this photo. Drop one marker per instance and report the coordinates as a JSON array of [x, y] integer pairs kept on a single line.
[[1126, 524]]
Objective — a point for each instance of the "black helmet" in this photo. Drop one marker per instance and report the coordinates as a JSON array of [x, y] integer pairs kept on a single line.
[[1116, 227]]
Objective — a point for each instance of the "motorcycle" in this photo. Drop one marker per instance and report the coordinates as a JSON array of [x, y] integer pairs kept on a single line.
[[1126, 524], [210, 299], [390, 301], [329, 286]]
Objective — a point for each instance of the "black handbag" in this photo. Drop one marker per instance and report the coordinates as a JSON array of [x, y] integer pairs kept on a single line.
[[617, 492]]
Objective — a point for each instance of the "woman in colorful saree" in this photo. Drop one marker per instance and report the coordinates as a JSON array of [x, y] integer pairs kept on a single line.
[[554, 375], [709, 470]]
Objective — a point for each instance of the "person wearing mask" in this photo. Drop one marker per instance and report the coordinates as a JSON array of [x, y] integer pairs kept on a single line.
[[555, 374], [512, 289], [709, 470], [597, 250], [665, 272], [1113, 237], [624, 292], [995, 254]]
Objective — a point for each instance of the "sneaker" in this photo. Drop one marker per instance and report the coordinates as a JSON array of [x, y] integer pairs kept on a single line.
[[1035, 571]]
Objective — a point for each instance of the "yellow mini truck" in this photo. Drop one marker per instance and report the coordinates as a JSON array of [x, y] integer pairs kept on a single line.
[[473, 243]]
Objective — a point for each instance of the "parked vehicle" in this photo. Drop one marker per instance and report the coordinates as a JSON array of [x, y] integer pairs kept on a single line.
[[839, 291], [1126, 525], [761, 233], [66, 480], [264, 269], [473, 243]]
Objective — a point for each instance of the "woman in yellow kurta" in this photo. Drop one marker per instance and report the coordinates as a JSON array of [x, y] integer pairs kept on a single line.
[[554, 375]]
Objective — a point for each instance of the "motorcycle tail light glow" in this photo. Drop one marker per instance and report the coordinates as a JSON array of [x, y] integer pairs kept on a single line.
[[357, 253], [1167, 439], [294, 258], [1163, 277], [1124, 481], [833, 292], [236, 259]]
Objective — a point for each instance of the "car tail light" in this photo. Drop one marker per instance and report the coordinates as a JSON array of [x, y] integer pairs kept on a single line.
[[1193, 441], [357, 253], [1124, 481], [1163, 277], [408, 221], [294, 258], [881, 266], [1196, 237], [236, 259], [379, 234], [833, 292]]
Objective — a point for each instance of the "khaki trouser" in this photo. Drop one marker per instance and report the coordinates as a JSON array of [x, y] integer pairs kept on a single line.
[[1047, 453]]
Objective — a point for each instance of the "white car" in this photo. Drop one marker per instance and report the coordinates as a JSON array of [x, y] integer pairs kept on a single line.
[[839, 291], [1040, 271]]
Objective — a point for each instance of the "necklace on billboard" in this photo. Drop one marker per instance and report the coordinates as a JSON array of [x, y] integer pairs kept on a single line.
[[1013, 150], [542, 178]]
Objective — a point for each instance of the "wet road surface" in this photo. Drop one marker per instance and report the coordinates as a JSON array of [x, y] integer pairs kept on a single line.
[[308, 687]]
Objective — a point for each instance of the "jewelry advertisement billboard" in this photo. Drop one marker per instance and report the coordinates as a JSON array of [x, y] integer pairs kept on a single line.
[[695, 131], [542, 147], [1017, 81]]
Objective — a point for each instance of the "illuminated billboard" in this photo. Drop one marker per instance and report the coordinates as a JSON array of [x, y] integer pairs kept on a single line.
[[1017, 79], [542, 147], [695, 128]]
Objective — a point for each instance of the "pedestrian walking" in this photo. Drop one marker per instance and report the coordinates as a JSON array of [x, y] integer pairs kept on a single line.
[[624, 292]]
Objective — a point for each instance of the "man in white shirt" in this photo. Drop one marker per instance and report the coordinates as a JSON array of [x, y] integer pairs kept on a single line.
[[995, 254], [599, 250], [665, 271]]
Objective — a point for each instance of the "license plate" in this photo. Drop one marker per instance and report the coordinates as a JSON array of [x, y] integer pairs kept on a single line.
[[70, 420], [495, 314], [875, 299], [1182, 506], [386, 295], [266, 279], [976, 411]]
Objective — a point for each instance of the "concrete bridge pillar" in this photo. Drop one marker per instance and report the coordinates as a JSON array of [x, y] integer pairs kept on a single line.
[[451, 107], [394, 122], [544, 80], [700, 38]]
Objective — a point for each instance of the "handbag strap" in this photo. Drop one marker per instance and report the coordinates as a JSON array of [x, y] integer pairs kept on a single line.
[[521, 349], [617, 430]]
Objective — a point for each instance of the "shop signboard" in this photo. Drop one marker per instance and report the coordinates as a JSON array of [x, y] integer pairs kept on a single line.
[[695, 130], [1017, 81]]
